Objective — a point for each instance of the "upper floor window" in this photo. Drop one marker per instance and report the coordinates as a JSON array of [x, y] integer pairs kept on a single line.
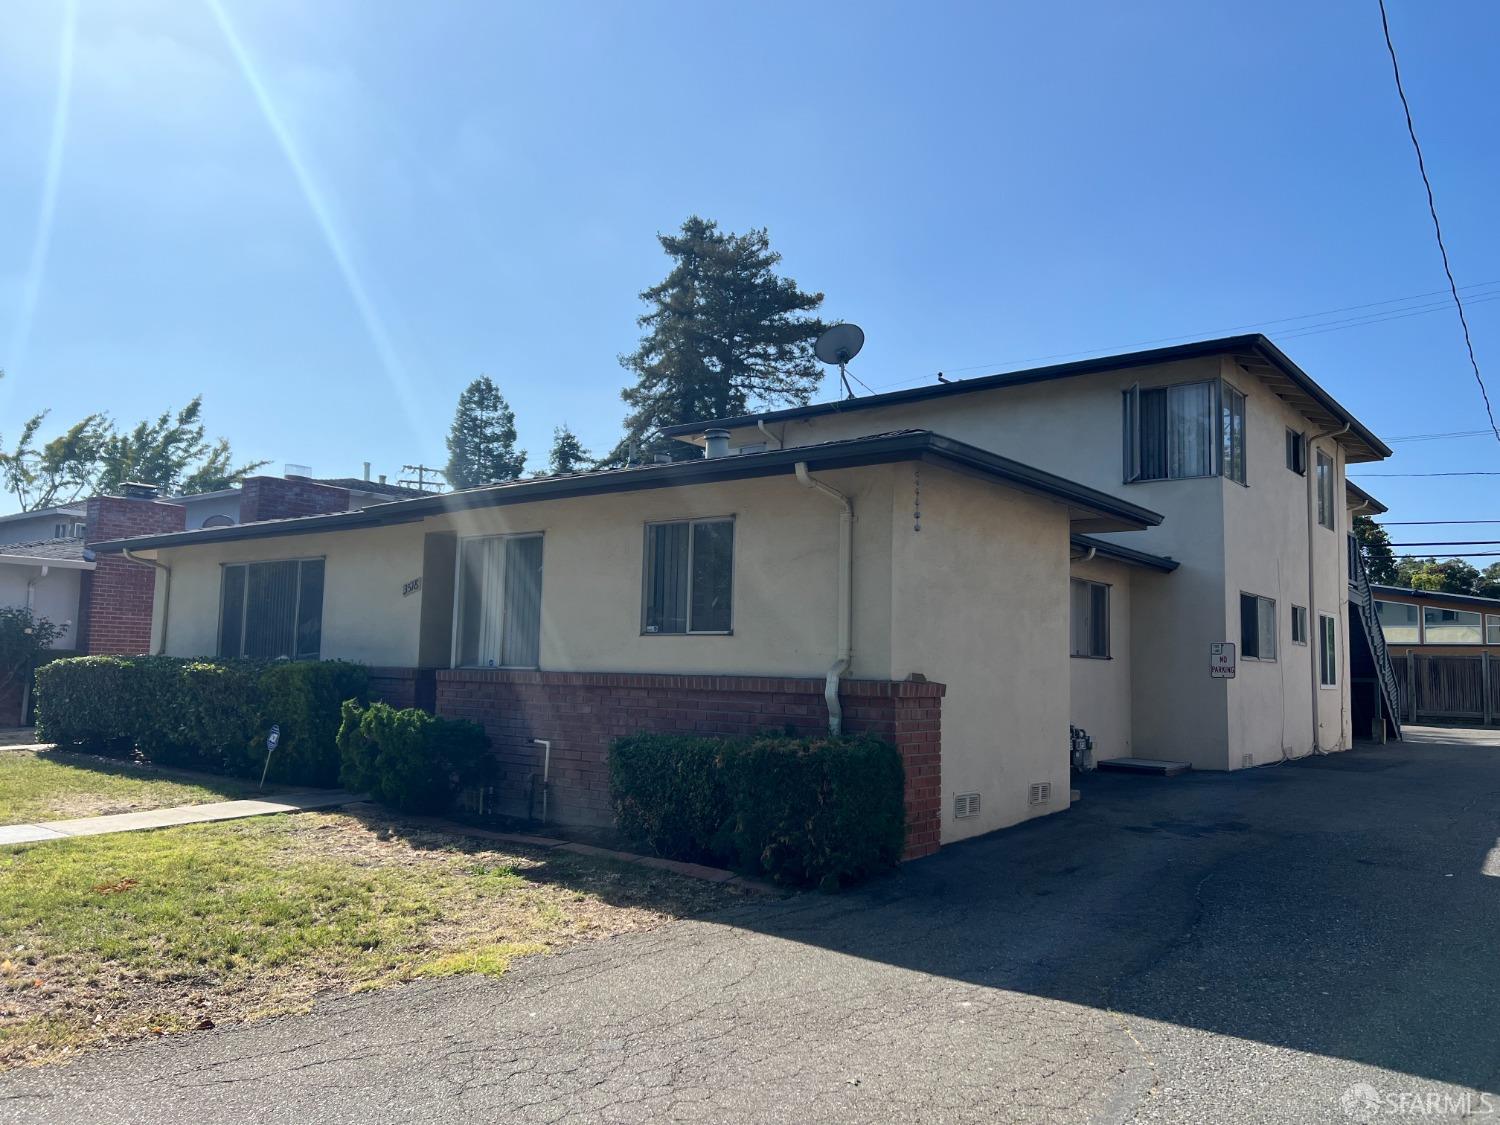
[[1257, 627], [1492, 629], [1296, 452], [70, 530], [499, 603], [689, 577], [1186, 430], [272, 610], [1325, 490]]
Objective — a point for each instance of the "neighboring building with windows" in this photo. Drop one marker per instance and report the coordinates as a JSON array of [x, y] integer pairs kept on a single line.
[[965, 568], [1430, 621]]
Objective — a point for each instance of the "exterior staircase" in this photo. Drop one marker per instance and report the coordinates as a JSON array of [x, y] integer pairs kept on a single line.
[[1364, 603]]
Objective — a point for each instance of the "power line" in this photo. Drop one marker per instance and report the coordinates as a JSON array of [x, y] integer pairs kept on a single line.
[[1451, 543], [1430, 523], [1436, 437], [1437, 227], [1484, 473], [1470, 555], [1305, 330]]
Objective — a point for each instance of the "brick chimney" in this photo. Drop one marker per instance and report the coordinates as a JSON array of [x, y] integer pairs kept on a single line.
[[277, 498], [115, 598]]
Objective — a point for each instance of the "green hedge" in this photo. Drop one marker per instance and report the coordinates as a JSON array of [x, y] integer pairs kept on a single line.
[[808, 811], [209, 715], [409, 759]]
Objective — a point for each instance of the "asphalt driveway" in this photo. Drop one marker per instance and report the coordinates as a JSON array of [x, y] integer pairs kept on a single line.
[[1309, 942]]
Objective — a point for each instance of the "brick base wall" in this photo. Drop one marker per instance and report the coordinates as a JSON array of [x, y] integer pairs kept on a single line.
[[583, 712], [404, 687]]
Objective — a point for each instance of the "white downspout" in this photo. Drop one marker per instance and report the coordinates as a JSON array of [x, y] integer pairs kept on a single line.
[[846, 594], [42, 572], [760, 424], [1314, 648], [166, 593]]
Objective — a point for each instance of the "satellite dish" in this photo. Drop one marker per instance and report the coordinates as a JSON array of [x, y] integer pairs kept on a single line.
[[837, 346]]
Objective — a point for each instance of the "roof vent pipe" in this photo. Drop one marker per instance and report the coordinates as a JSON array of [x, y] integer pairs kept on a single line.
[[716, 443]]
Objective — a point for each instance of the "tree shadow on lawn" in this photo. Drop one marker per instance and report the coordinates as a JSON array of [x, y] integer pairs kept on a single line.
[[1323, 906]]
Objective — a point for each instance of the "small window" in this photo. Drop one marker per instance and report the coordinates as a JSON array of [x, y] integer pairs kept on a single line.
[[1328, 652], [218, 521], [1492, 628], [1296, 452], [689, 577], [1299, 624], [1233, 429], [1451, 626], [1090, 619], [499, 603], [1257, 627], [272, 610], [1325, 490], [1400, 622]]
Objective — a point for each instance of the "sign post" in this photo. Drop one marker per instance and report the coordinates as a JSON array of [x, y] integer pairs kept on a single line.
[[273, 740], [1221, 660]]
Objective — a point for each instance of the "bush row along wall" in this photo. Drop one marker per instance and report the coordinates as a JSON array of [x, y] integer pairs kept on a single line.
[[583, 712]]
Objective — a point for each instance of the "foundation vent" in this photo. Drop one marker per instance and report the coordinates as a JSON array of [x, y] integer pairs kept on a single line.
[[1040, 794], [965, 804]]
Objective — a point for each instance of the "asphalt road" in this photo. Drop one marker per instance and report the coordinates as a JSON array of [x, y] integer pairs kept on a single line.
[[1210, 948]]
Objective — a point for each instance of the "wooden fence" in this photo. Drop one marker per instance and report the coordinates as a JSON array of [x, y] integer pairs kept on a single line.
[[1449, 687]]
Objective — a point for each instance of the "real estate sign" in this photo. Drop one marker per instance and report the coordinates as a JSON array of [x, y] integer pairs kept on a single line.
[[1221, 660]]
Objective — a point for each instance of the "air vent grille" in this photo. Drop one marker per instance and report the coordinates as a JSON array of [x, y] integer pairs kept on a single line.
[[965, 804], [1041, 793]]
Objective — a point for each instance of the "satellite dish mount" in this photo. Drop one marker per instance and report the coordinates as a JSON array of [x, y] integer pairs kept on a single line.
[[837, 346]]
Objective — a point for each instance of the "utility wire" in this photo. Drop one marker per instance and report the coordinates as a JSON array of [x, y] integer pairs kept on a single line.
[[1430, 523], [1439, 437], [1483, 473], [1470, 555], [1437, 227], [1451, 543]]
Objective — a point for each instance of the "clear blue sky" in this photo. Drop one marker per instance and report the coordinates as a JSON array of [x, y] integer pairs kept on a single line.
[[330, 228]]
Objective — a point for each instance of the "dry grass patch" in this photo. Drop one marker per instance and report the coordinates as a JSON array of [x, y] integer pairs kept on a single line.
[[60, 785], [110, 938]]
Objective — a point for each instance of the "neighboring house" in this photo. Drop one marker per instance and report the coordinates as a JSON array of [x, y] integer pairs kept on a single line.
[[966, 569], [63, 521], [229, 506], [1437, 623], [45, 576]]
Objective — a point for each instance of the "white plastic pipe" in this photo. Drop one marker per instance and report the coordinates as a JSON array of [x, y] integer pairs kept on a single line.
[[846, 595], [546, 745], [166, 592], [1315, 645]]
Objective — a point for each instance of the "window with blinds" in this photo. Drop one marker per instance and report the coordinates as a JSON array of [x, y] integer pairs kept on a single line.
[[271, 610], [499, 603], [1183, 431], [1090, 619], [689, 577]]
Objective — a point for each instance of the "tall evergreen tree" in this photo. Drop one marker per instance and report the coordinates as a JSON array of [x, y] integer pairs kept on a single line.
[[1375, 545], [724, 333], [482, 440], [568, 454]]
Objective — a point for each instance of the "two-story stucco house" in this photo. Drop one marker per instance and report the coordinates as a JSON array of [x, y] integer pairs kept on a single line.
[[968, 568]]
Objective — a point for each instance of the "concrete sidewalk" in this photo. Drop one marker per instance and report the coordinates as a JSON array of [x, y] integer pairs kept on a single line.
[[295, 801]]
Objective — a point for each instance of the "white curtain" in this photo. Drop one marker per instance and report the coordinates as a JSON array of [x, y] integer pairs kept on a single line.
[[1190, 435]]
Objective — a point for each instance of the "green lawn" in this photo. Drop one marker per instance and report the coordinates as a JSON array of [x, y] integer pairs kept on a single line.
[[109, 938], [56, 785]]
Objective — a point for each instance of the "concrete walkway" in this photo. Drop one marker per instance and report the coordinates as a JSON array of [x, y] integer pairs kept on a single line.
[[170, 818]]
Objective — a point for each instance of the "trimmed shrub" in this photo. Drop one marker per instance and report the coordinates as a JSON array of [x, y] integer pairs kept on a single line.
[[305, 698], [209, 715], [669, 793], [85, 701], [410, 760], [808, 811]]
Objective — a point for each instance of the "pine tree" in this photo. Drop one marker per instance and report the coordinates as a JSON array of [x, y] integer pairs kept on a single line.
[[482, 440], [724, 333], [568, 454]]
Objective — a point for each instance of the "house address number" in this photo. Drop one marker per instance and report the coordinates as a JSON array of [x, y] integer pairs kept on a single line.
[[411, 587]]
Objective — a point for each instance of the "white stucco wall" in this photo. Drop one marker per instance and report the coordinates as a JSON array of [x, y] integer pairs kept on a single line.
[[1100, 697], [55, 597], [1225, 536], [980, 603]]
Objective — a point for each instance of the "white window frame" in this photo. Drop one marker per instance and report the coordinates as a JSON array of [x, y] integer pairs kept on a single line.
[[1260, 600], [1228, 394], [1328, 641], [692, 522], [245, 604], [1299, 625], [1327, 516], [1090, 584], [1296, 449], [1492, 628], [456, 641]]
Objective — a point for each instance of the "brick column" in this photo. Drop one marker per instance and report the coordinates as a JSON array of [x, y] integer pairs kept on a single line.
[[115, 598]]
